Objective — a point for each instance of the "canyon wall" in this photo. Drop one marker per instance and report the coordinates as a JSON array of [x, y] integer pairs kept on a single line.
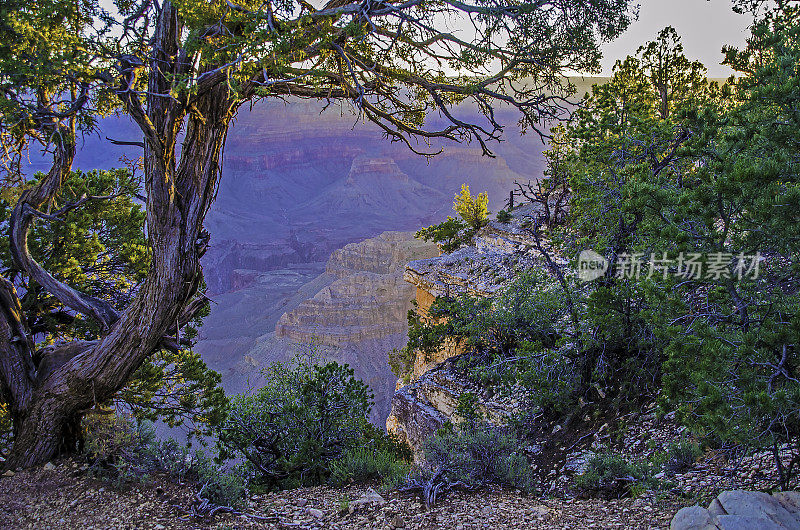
[[427, 397], [355, 310]]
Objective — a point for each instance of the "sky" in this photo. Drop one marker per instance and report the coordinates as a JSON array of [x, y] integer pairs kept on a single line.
[[704, 25]]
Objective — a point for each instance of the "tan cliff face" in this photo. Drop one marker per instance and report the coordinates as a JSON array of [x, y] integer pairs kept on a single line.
[[355, 305], [499, 254], [369, 298]]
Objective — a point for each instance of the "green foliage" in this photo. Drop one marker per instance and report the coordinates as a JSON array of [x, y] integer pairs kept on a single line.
[[661, 160], [453, 233], [48, 56], [401, 362], [612, 475], [504, 216], [513, 338], [668, 161], [223, 487], [122, 452], [473, 210], [467, 407], [681, 456], [450, 235], [477, 455], [178, 389], [366, 463], [101, 249], [549, 377], [305, 418], [493, 328]]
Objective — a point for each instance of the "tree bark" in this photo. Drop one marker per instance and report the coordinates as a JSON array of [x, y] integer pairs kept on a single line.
[[47, 405]]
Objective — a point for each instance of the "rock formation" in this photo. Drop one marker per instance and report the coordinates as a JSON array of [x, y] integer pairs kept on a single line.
[[427, 399], [421, 407], [743, 509], [356, 308], [369, 298]]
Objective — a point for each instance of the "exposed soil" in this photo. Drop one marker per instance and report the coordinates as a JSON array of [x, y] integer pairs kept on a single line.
[[64, 497], [61, 495]]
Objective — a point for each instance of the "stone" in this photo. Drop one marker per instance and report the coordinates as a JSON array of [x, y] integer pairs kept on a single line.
[[745, 522], [49, 466], [715, 508], [692, 518], [8, 473], [742, 510], [301, 502], [758, 505], [789, 499], [368, 498], [575, 463], [397, 522], [315, 513]]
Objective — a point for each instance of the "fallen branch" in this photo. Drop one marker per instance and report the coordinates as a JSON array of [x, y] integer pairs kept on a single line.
[[205, 508], [435, 486]]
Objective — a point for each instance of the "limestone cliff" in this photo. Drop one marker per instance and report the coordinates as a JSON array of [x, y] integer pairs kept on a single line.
[[499, 253], [369, 298], [356, 307]]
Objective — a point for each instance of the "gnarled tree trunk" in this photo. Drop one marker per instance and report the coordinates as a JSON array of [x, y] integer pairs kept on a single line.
[[46, 405]]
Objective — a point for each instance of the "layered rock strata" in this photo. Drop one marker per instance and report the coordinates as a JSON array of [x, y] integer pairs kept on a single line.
[[501, 253], [369, 298]]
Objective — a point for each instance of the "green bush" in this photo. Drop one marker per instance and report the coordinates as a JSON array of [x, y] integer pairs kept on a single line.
[[366, 463], [305, 418], [120, 451], [221, 487], [681, 456], [123, 452], [401, 362], [612, 475], [450, 235], [504, 217], [513, 338], [476, 454]]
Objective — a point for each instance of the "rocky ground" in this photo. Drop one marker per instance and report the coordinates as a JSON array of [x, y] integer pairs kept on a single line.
[[62, 496]]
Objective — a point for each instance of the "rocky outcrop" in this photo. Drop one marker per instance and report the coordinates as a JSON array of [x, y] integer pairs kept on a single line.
[[427, 397], [354, 308], [387, 253], [369, 298], [741, 510], [420, 408]]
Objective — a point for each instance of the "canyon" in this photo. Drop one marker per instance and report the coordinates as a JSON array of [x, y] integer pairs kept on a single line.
[[299, 185], [296, 255]]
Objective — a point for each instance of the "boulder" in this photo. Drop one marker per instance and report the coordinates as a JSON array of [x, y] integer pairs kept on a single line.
[[692, 518], [742, 510]]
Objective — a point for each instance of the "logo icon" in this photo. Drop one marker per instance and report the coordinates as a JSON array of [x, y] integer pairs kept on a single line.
[[591, 265]]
